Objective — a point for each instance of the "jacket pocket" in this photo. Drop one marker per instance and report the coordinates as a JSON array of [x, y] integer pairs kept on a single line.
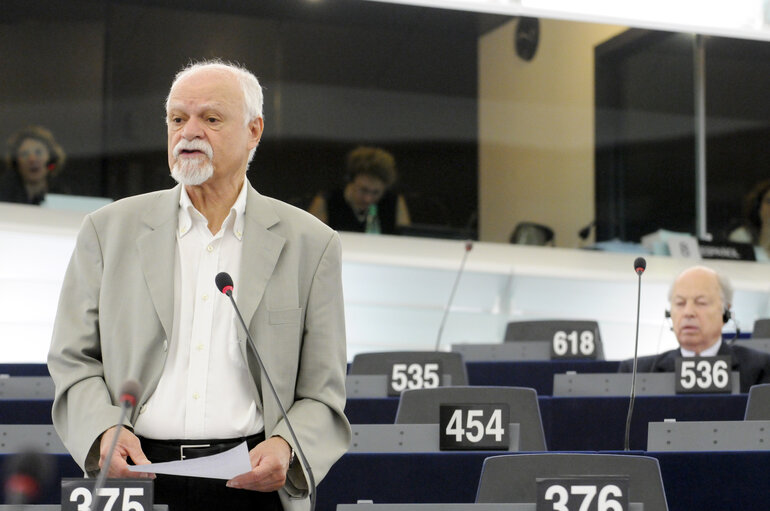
[[286, 316]]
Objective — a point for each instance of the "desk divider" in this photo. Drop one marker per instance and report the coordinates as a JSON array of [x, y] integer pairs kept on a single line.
[[504, 351], [19, 437], [619, 384], [408, 438], [26, 387], [709, 436], [376, 385]]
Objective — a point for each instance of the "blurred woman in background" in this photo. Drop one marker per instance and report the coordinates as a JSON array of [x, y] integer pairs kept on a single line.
[[32, 158]]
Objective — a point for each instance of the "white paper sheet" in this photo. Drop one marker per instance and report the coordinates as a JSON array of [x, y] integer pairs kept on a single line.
[[224, 465]]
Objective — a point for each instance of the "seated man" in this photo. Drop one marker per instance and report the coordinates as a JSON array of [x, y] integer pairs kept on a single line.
[[700, 301]]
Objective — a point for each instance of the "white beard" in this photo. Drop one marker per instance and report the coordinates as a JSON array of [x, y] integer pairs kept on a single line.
[[192, 171]]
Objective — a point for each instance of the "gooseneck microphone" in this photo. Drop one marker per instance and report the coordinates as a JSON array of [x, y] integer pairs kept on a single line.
[[640, 264], [468, 248], [225, 284], [129, 395]]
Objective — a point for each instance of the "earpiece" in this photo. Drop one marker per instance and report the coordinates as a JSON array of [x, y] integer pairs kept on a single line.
[[726, 315]]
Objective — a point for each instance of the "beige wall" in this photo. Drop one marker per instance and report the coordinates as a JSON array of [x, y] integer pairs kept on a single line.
[[536, 130]]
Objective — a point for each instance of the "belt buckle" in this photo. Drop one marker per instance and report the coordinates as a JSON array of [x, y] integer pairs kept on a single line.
[[190, 446]]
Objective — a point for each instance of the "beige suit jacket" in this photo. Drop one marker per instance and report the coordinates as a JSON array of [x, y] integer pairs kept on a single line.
[[116, 311]]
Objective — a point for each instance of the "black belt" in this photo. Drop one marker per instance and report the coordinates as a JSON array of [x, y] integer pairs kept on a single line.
[[171, 450]]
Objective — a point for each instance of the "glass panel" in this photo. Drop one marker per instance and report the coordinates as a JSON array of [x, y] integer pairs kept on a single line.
[[596, 128]]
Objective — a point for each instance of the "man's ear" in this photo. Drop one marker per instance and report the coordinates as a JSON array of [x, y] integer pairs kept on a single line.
[[255, 130]]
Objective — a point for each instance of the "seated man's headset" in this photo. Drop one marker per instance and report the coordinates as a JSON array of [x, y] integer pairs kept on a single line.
[[726, 316]]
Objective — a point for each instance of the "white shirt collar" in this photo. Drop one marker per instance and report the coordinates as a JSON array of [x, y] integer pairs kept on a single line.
[[188, 214], [708, 352]]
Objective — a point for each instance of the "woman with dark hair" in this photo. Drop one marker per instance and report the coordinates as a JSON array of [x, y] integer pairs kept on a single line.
[[32, 157], [756, 229], [366, 202]]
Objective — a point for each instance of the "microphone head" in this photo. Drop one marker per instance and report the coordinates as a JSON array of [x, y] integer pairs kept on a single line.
[[468, 245], [27, 474], [130, 392], [640, 264], [224, 282]]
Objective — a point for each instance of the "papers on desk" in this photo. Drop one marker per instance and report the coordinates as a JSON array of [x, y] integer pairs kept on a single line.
[[224, 465]]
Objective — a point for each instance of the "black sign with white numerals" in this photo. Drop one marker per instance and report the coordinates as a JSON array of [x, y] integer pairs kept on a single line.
[[698, 375], [583, 493], [413, 375], [117, 495], [474, 426], [573, 344]]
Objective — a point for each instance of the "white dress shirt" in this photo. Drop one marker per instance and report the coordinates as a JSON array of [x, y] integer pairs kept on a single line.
[[205, 389], [708, 352]]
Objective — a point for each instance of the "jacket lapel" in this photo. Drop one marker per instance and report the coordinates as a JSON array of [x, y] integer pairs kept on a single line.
[[157, 244], [261, 250]]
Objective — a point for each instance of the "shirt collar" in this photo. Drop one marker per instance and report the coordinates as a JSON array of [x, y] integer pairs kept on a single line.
[[188, 213], [708, 352]]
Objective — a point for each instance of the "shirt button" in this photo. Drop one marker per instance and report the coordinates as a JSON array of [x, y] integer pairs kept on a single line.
[[200, 347], [205, 297], [210, 248], [196, 396]]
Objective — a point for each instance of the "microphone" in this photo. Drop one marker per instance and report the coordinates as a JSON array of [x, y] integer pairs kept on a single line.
[[584, 232], [129, 395], [27, 473], [640, 264], [468, 248], [224, 283]]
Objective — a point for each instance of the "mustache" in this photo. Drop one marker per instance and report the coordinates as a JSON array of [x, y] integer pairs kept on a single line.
[[193, 145]]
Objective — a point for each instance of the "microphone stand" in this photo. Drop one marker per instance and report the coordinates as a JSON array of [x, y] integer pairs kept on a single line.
[[468, 247], [101, 479], [640, 267], [311, 479]]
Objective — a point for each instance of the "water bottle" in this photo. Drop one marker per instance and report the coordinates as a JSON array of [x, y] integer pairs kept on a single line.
[[372, 220]]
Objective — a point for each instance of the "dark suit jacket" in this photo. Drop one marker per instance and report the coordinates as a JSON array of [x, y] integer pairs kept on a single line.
[[752, 365]]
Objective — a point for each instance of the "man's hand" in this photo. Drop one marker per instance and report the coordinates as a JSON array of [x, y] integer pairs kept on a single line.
[[127, 446], [269, 464]]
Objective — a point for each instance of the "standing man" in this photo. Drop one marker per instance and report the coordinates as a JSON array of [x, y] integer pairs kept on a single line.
[[139, 302], [700, 301]]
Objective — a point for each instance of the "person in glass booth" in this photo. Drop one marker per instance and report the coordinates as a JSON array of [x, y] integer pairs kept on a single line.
[[32, 160], [367, 202], [700, 301]]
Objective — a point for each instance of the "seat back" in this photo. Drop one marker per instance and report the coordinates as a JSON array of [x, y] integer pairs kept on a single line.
[[761, 328], [512, 478], [422, 406], [758, 404], [545, 329], [530, 233], [382, 363]]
